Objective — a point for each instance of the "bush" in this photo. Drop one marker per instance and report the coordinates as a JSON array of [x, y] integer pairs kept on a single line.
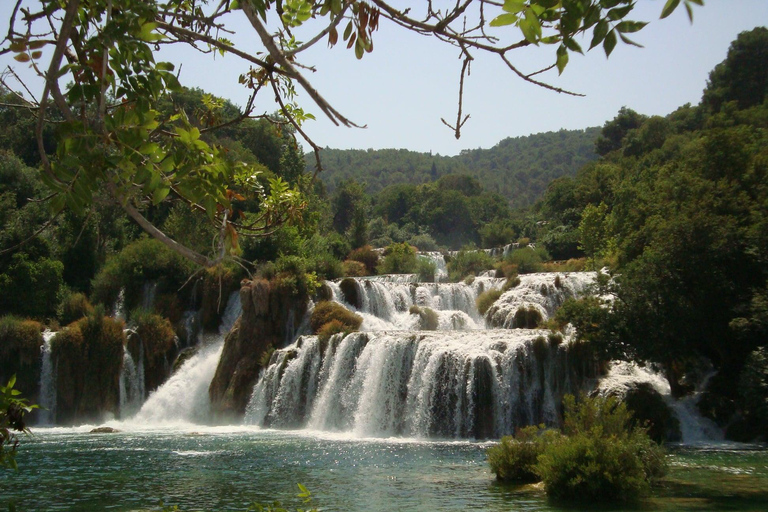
[[218, 284], [333, 327], [468, 262], [426, 270], [528, 260], [155, 332], [367, 256], [430, 320], [74, 307], [144, 260], [399, 259], [20, 342], [350, 292], [327, 311], [351, 268], [486, 299], [527, 318], [510, 283], [292, 277], [601, 457], [514, 459]]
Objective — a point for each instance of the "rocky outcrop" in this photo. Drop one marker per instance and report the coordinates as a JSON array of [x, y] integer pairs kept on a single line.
[[89, 356], [267, 321]]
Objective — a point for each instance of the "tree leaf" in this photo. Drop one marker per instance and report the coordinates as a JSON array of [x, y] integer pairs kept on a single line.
[[562, 59], [598, 35], [609, 43], [669, 8], [630, 26], [504, 19]]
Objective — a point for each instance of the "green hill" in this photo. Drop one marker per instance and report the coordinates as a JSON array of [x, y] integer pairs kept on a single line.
[[518, 168]]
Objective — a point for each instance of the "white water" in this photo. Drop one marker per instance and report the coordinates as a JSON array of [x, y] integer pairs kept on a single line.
[[48, 374], [694, 428], [424, 384], [386, 304], [544, 292], [131, 384]]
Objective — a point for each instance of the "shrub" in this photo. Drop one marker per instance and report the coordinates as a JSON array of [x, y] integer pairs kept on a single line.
[[74, 307], [600, 458], [514, 459], [510, 283], [426, 269], [327, 311], [468, 262], [486, 299], [20, 342], [333, 327], [367, 256], [571, 265], [399, 259], [527, 318], [351, 268], [430, 320], [505, 269], [155, 332], [326, 266], [292, 277], [528, 260]]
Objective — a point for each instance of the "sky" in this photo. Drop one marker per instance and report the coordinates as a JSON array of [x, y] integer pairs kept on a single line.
[[409, 82]]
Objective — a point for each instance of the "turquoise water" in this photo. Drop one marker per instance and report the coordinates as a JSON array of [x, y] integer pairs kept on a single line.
[[220, 469]]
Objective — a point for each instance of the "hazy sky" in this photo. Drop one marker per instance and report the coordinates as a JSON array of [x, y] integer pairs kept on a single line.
[[402, 89]]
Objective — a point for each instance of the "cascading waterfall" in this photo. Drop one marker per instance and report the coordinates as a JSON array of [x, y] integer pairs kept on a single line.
[[694, 428], [385, 305], [422, 384], [441, 269], [131, 385], [183, 398], [47, 415], [544, 292]]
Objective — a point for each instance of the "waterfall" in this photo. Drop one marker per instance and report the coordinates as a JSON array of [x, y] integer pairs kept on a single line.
[[184, 397], [694, 428], [47, 415], [441, 269], [544, 292], [131, 384], [444, 384], [386, 305]]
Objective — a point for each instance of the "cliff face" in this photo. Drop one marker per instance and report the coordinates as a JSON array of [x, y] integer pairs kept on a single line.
[[265, 323]]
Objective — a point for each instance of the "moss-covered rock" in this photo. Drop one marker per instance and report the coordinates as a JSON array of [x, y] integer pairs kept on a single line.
[[649, 408], [268, 316], [20, 342], [527, 318], [155, 339], [327, 311], [89, 357], [351, 292]]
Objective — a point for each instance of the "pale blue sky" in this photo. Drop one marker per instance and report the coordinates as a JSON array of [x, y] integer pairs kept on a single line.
[[409, 82]]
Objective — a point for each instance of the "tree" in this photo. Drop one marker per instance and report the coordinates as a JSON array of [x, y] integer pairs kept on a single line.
[[114, 136]]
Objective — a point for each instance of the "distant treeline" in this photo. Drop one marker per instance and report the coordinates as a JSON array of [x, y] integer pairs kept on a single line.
[[518, 169]]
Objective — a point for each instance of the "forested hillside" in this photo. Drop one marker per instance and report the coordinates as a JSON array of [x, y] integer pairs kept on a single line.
[[519, 169]]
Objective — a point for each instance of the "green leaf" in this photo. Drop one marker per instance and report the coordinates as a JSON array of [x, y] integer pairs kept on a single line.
[[609, 43], [513, 6], [630, 26], [159, 194], [619, 12], [572, 45], [562, 59], [504, 19], [21, 57], [598, 35], [669, 8], [629, 41]]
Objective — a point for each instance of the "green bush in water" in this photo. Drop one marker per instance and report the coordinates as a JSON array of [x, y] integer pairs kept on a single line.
[[527, 318], [601, 457], [430, 320], [367, 256], [486, 299], [468, 262], [426, 270], [20, 342], [327, 311], [528, 260], [514, 459], [399, 259]]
